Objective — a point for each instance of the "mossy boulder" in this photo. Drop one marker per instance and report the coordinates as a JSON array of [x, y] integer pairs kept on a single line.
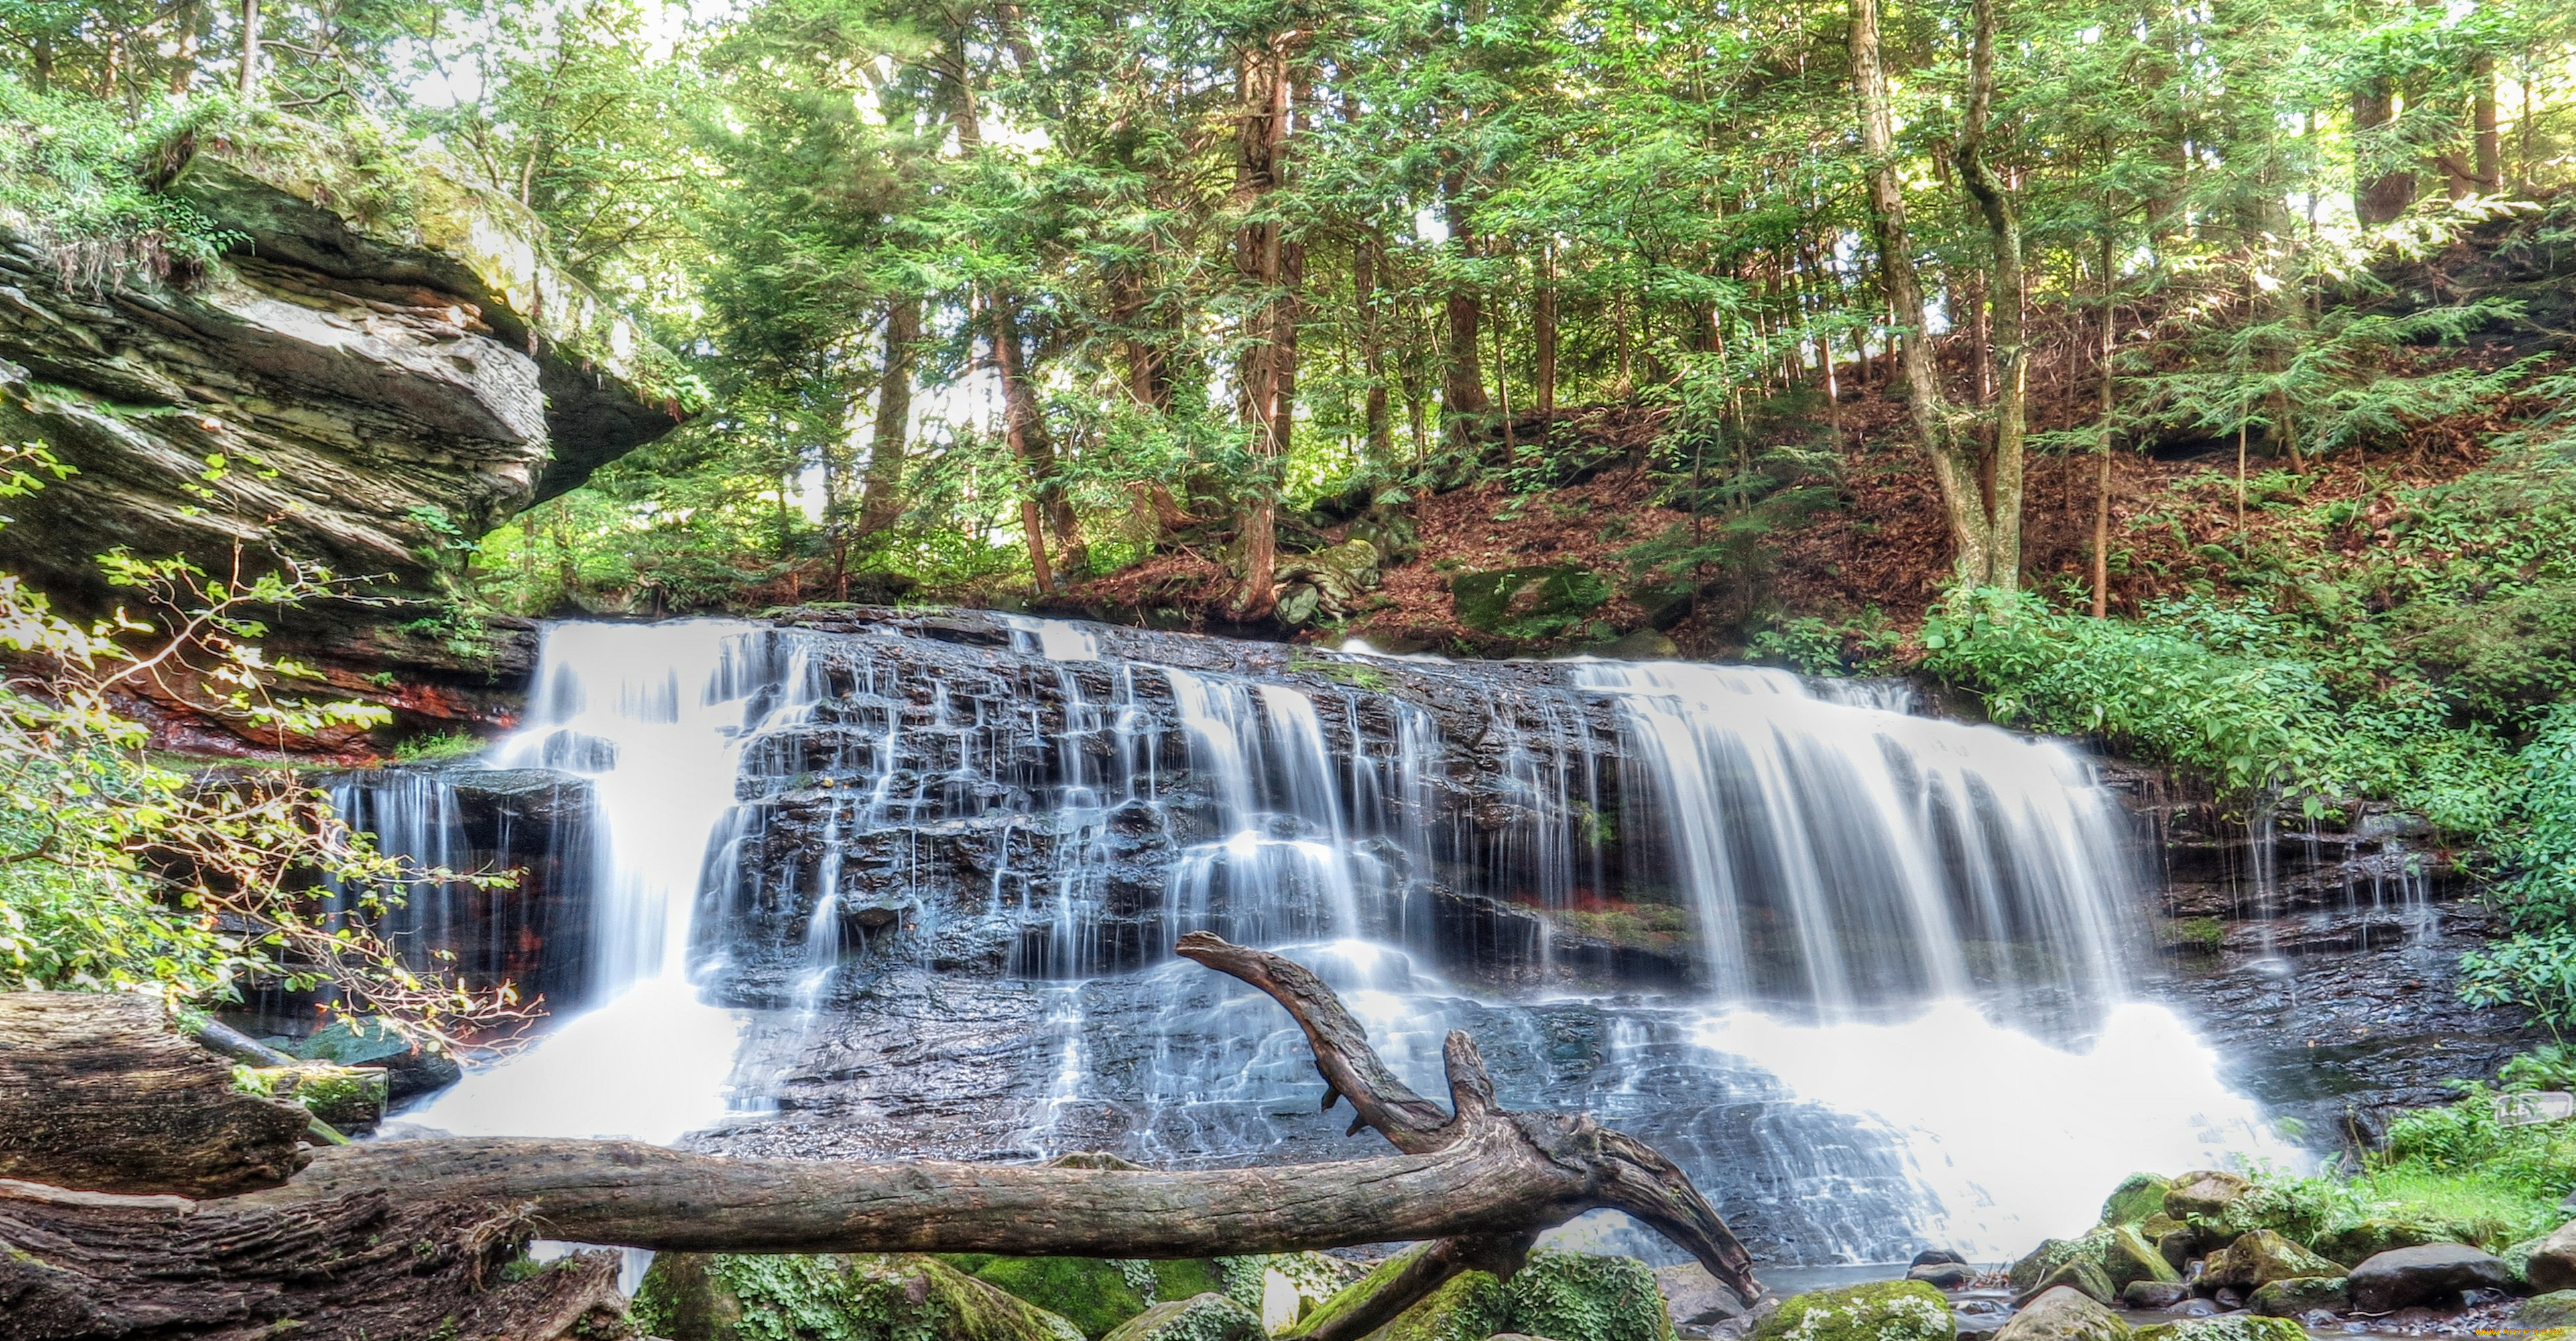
[[1560, 1296], [2301, 1295], [1585, 1297], [2358, 1242], [2546, 1312], [2051, 1254], [2156, 1226], [2550, 1265], [2204, 1192], [832, 1297], [2128, 1257], [350, 1098], [1469, 1307], [2083, 1275], [2262, 1257], [2225, 1327], [2138, 1196], [2064, 1315], [1883, 1311], [1531, 604], [1094, 1294], [1202, 1317]]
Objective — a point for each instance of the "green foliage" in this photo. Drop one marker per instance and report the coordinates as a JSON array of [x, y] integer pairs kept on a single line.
[[1584, 1297], [831, 1298], [76, 176], [1813, 645], [1884, 1311]]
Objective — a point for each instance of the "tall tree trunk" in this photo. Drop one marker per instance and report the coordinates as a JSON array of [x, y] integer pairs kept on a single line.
[[1003, 333], [1378, 427], [1268, 263], [2010, 352], [2490, 141], [1462, 376], [2110, 402], [883, 501], [2377, 198], [249, 79], [1956, 468], [1543, 343]]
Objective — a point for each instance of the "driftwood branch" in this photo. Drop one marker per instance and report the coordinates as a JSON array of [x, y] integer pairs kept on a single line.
[[370, 1235]]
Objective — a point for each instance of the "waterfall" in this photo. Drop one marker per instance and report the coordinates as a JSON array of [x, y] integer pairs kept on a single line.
[[1894, 951]]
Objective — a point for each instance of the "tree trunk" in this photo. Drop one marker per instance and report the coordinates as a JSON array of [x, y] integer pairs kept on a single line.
[[387, 1239], [2010, 352], [1543, 343], [883, 501], [249, 80], [97, 1092], [2377, 198], [1462, 376], [2489, 140], [2110, 402], [1004, 336], [1955, 465], [1270, 264], [1377, 426]]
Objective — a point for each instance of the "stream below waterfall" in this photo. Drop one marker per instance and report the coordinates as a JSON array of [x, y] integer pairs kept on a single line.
[[1868, 975]]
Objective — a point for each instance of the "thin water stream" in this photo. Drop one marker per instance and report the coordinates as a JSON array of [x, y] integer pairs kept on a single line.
[[1912, 939]]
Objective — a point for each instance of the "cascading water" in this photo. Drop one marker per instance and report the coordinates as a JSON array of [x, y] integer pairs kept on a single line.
[[1881, 911]]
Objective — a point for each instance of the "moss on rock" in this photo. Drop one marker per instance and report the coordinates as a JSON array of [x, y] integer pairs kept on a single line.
[[2262, 1257], [1469, 1307], [2225, 1327], [1584, 1297], [2036, 1265], [2204, 1192], [830, 1297], [2128, 1256], [2549, 1312], [2083, 1275], [1097, 1294], [2300, 1294], [1883, 1311], [2358, 1242], [2138, 1196], [2064, 1315], [1201, 1317]]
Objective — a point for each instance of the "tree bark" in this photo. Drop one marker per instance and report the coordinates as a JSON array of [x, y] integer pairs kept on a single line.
[[1016, 408], [1543, 342], [1268, 261], [1378, 427], [2110, 391], [2008, 350], [1956, 467], [1462, 376], [97, 1092], [376, 1240], [2489, 140], [249, 80], [882, 502]]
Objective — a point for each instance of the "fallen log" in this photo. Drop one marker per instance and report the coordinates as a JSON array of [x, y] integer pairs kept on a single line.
[[98, 1092], [371, 1239]]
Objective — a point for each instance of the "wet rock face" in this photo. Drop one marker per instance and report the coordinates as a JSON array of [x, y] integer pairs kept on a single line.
[[2321, 959]]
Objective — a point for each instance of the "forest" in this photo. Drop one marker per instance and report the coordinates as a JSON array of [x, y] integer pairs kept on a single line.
[[1426, 406]]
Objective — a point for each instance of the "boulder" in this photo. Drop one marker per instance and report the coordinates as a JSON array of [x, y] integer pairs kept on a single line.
[[1471, 1304], [2298, 1296], [1935, 1257], [2034, 1266], [2551, 1265], [1531, 604], [2206, 1192], [1881, 1311], [2179, 1246], [2225, 1327], [2154, 1294], [2138, 1196], [1943, 1275], [2064, 1315], [2361, 1240], [860, 1297], [1646, 644], [1326, 584], [409, 1069], [2544, 1312], [1201, 1317], [1586, 1297], [2262, 1257], [2127, 1257], [1094, 1294], [2401, 1276], [1696, 1300], [2081, 1274], [2158, 1225]]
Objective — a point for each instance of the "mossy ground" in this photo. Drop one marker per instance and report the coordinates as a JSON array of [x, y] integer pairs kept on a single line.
[[1094, 1294]]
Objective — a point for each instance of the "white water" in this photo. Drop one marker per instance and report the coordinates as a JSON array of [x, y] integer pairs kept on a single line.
[[1916, 1020], [655, 715]]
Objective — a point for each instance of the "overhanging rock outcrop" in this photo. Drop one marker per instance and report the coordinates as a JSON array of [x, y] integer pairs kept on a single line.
[[387, 361]]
